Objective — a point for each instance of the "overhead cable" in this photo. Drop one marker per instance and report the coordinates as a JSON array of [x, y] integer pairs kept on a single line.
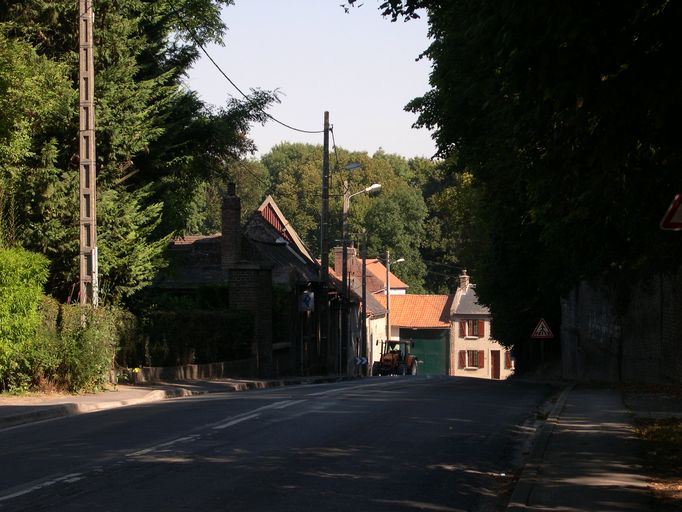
[[203, 49]]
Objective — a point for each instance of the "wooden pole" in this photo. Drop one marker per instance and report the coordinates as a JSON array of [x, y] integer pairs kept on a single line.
[[324, 247], [87, 160]]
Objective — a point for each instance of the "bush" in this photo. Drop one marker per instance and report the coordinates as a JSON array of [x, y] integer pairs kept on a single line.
[[87, 349], [22, 276]]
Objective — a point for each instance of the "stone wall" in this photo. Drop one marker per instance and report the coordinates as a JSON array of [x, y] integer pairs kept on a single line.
[[227, 369], [640, 342]]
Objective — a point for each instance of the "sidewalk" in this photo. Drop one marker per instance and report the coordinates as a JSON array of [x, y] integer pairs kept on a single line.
[[587, 457], [17, 410]]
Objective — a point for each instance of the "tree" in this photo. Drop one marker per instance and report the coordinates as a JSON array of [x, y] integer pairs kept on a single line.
[[158, 145], [564, 117], [394, 219]]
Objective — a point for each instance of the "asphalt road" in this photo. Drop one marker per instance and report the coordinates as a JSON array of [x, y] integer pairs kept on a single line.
[[389, 443]]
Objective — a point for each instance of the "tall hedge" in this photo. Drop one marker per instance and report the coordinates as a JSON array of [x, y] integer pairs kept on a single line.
[[22, 277]]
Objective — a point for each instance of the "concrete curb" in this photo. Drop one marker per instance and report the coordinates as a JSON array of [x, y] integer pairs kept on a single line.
[[172, 390], [529, 473]]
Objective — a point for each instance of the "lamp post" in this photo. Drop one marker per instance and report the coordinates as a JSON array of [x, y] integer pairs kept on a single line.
[[363, 335], [388, 292], [344, 255]]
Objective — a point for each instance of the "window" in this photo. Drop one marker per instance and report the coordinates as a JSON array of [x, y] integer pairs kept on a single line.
[[472, 328], [471, 359]]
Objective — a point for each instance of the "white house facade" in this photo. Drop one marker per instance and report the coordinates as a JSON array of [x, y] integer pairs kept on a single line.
[[474, 352]]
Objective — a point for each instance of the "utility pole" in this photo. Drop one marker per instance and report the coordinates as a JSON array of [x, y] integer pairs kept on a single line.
[[344, 270], [388, 292], [87, 161], [324, 244], [365, 349], [388, 296]]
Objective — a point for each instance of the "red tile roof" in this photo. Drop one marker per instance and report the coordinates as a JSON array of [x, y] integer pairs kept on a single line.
[[377, 268], [419, 311]]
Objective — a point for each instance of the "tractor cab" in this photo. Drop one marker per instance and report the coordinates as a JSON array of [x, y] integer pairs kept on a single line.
[[396, 358]]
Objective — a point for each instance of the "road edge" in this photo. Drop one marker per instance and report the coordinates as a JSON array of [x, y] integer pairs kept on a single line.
[[528, 477]]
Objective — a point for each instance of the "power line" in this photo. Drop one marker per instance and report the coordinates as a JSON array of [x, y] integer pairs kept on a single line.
[[433, 272], [458, 267], [203, 49]]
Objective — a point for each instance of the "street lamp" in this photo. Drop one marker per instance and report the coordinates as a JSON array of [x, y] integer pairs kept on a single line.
[[388, 292], [344, 240], [344, 255]]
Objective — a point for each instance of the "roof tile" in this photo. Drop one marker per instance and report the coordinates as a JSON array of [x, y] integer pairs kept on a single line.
[[419, 311]]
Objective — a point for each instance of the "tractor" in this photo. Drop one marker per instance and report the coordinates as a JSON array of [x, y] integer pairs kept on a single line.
[[396, 359]]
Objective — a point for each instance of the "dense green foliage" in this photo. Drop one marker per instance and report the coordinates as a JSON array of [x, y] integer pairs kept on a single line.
[[22, 275], [44, 344], [394, 218], [565, 117], [74, 350], [158, 146]]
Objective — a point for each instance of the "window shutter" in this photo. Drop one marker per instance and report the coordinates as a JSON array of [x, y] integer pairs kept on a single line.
[[481, 358], [462, 328], [507, 360], [481, 328], [462, 358]]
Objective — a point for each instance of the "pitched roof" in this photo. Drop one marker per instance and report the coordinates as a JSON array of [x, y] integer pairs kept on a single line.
[[378, 270], [274, 216], [419, 311], [468, 303]]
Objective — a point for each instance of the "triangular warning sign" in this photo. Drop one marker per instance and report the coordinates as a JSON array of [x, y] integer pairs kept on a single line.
[[542, 330], [672, 219]]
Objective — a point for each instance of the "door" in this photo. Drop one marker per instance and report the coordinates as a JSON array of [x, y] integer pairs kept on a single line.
[[495, 364], [431, 347]]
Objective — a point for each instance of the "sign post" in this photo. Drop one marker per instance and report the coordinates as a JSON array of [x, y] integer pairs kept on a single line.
[[542, 332]]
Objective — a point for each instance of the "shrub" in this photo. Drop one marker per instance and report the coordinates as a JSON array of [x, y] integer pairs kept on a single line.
[[74, 347], [22, 276]]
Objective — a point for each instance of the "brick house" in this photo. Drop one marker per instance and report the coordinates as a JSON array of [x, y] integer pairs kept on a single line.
[[268, 272]]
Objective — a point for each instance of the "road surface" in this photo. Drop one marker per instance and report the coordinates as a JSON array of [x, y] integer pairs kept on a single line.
[[384, 443]]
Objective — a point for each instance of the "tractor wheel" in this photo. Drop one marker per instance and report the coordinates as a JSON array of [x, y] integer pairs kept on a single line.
[[376, 369], [402, 369]]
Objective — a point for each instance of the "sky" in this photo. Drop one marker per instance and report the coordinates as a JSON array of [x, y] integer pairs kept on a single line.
[[359, 67]]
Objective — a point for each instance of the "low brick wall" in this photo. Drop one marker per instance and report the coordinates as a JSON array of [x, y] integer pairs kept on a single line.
[[245, 368]]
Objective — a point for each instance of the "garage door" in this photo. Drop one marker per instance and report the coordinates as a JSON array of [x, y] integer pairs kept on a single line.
[[431, 347]]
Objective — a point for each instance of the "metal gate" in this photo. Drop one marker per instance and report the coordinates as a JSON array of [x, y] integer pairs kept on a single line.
[[431, 346]]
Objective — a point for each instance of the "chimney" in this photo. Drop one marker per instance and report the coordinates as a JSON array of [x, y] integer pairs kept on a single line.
[[352, 260], [230, 245], [463, 280], [338, 259]]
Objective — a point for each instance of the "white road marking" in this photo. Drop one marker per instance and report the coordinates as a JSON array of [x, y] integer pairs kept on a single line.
[[75, 477], [350, 388], [71, 477], [163, 445], [228, 422], [235, 421]]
